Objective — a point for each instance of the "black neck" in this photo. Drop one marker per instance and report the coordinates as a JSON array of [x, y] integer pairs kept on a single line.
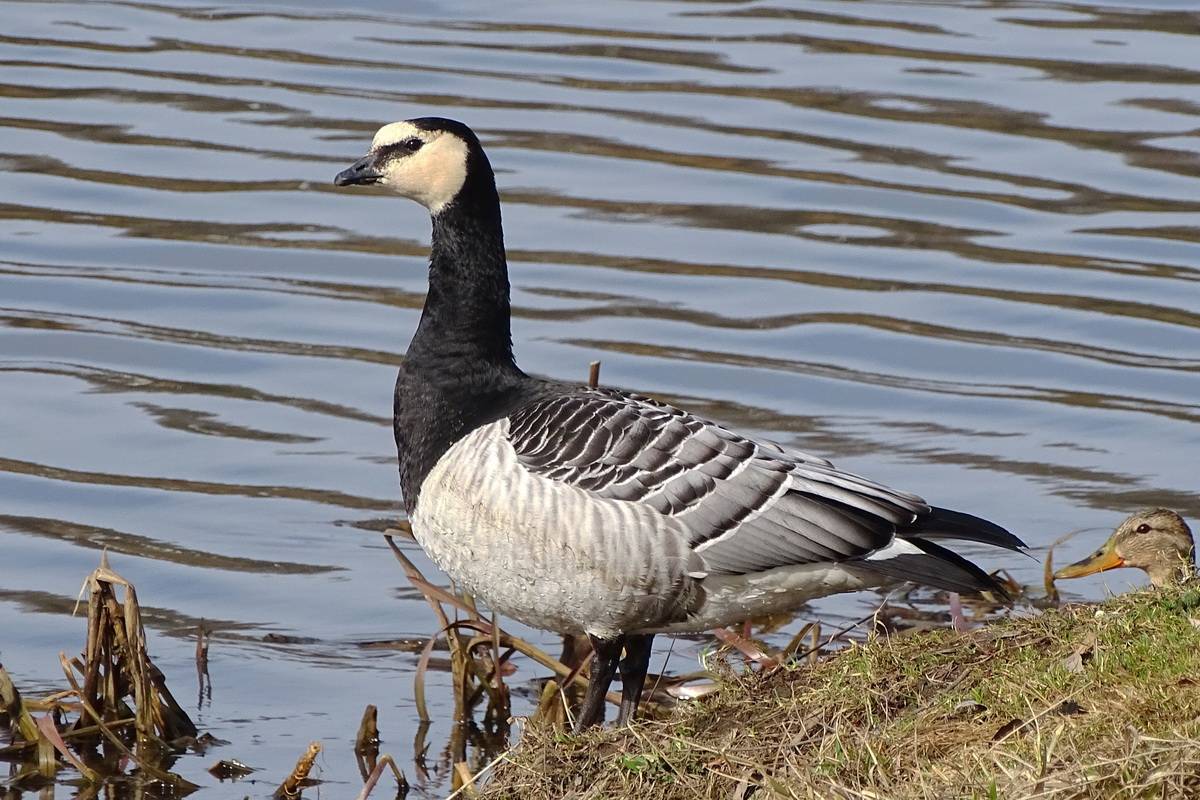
[[466, 315], [459, 372]]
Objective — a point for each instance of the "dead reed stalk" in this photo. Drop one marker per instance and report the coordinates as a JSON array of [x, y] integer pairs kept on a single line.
[[118, 699], [297, 779]]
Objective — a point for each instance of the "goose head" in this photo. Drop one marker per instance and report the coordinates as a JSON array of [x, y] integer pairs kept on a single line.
[[1157, 541], [431, 160]]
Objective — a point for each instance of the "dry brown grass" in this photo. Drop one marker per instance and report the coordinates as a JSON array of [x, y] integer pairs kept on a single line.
[[1082, 702]]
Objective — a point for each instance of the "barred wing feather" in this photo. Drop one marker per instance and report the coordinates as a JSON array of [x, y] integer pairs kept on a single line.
[[745, 505]]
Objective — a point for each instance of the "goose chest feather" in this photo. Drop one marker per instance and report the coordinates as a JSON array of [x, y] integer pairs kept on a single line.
[[599, 511]]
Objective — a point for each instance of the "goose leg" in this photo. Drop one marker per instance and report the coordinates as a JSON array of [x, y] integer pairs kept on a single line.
[[604, 667], [633, 674]]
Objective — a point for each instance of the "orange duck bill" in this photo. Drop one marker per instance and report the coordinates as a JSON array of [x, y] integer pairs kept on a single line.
[[1104, 558]]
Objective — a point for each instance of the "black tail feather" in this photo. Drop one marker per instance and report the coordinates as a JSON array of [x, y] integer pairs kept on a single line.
[[937, 567], [942, 523]]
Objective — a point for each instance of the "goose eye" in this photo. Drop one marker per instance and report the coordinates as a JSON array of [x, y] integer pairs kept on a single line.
[[402, 148], [1143, 528]]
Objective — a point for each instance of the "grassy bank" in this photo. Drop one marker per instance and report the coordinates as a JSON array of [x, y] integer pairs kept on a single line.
[[1087, 701]]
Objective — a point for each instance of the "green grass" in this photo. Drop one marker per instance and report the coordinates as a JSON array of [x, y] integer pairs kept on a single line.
[[1087, 701]]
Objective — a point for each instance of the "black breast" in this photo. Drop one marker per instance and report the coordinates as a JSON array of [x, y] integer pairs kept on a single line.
[[438, 403]]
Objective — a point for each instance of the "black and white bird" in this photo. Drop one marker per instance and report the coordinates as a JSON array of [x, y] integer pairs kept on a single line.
[[603, 512]]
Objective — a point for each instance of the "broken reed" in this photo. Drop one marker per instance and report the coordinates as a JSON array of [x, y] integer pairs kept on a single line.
[[118, 704]]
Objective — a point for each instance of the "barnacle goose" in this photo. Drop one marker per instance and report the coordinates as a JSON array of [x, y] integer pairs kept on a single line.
[[598, 511]]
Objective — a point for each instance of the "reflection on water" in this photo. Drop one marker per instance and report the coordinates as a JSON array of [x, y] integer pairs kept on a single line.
[[952, 246]]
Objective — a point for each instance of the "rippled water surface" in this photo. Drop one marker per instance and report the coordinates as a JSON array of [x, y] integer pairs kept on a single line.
[[950, 245]]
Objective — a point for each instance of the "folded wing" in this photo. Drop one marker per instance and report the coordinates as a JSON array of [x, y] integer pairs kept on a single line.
[[746, 506]]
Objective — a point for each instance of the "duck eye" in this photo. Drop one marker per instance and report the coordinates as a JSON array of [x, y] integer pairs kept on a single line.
[[412, 144], [1143, 528]]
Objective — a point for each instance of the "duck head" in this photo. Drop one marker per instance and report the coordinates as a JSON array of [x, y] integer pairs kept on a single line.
[[1157, 541]]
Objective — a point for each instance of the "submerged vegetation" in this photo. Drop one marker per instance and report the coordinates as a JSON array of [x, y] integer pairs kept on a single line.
[[1084, 701]]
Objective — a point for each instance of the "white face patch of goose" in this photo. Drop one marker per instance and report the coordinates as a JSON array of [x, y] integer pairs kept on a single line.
[[427, 166]]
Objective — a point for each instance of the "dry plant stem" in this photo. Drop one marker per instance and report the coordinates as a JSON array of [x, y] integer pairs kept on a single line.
[[462, 664], [28, 728], [537, 654], [549, 704], [14, 707], [1048, 567], [149, 769], [496, 651], [203, 680], [464, 779], [833, 637], [473, 778], [492, 681], [368, 731], [410, 570], [46, 726], [175, 721], [117, 640], [75, 733], [98, 687], [292, 785], [114, 667], [369, 784], [458, 658], [747, 648], [126, 627], [366, 743], [201, 648], [52, 702]]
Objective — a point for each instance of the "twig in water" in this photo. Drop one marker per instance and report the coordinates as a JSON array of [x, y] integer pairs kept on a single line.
[[366, 743], [1048, 566], [746, 647], [466, 783], [166, 777], [74, 733], [26, 726], [843, 631], [435, 596], [202, 676], [663, 670], [13, 706], [811, 629], [472, 778], [294, 783], [384, 761], [45, 724]]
